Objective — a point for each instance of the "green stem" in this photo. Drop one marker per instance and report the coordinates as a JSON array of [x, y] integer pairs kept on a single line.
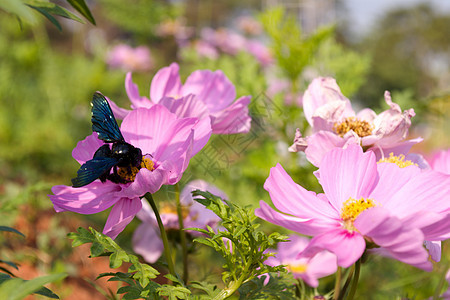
[[352, 292], [167, 251], [347, 283], [337, 284], [182, 235], [441, 283]]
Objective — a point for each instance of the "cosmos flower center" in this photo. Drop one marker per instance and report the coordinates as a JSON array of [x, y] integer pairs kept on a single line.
[[398, 160], [171, 208], [351, 210], [297, 268], [360, 127], [129, 173]]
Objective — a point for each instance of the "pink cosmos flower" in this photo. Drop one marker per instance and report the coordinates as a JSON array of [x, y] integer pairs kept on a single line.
[[205, 95], [226, 40], [335, 124], [167, 143], [146, 239], [306, 268], [130, 59], [364, 203]]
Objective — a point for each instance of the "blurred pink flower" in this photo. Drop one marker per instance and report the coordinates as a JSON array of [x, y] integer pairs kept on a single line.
[[260, 51], [205, 49], [309, 269], [226, 40], [130, 59], [205, 95], [146, 239], [383, 205], [446, 294], [335, 124], [249, 25], [167, 142]]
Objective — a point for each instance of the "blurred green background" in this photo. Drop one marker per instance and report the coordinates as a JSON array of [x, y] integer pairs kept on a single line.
[[47, 78]]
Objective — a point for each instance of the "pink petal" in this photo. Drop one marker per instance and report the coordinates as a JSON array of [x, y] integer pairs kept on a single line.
[[233, 119], [392, 125], [401, 241], [147, 242], [366, 114], [133, 94], [146, 182], [301, 225], [395, 148], [434, 226], [427, 191], [300, 143], [348, 173], [186, 106], [86, 148], [322, 142], [321, 265], [321, 91], [166, 83], [435, 249], [146, 213], [212, 88], [119, 113], [391, 179], [158, 132], [121, 215], [291, 198], [202, 134], [90, 199], [440, 161], [348, 247], [327, 115]]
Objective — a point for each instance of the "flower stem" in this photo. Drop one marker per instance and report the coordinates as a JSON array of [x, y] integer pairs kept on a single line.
[[167, 251], [352, 292], [347, 283], [182, 234], [337, 284]]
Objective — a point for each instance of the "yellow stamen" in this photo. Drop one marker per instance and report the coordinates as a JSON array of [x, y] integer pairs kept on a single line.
[[360, 127], [398, 160], [297, 268], [351, 210], [129, 173]]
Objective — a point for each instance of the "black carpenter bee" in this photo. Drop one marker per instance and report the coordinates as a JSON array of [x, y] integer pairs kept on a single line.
[[121, 156]]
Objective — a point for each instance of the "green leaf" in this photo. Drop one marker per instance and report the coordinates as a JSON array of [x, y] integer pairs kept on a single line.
[[19, 9], [83, 9], [17, 288], [46, 14], [10, 229]]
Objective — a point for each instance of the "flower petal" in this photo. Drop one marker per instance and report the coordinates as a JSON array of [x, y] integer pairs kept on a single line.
[[121, 215], [440, 161], [348, 173], [435, 249], [291, 198], [86, 148], [300, 143], [301, 225], [166, 83], [348, 247], [212, 88], [402, 242], [147, 242], [322, 90], [233, 119], [118, 112], [132, 90], [392, 125], [146, 181], [322, 142], [90, 199]]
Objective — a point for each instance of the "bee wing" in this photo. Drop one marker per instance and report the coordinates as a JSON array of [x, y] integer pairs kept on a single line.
[[103, 121], [92, 170]]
